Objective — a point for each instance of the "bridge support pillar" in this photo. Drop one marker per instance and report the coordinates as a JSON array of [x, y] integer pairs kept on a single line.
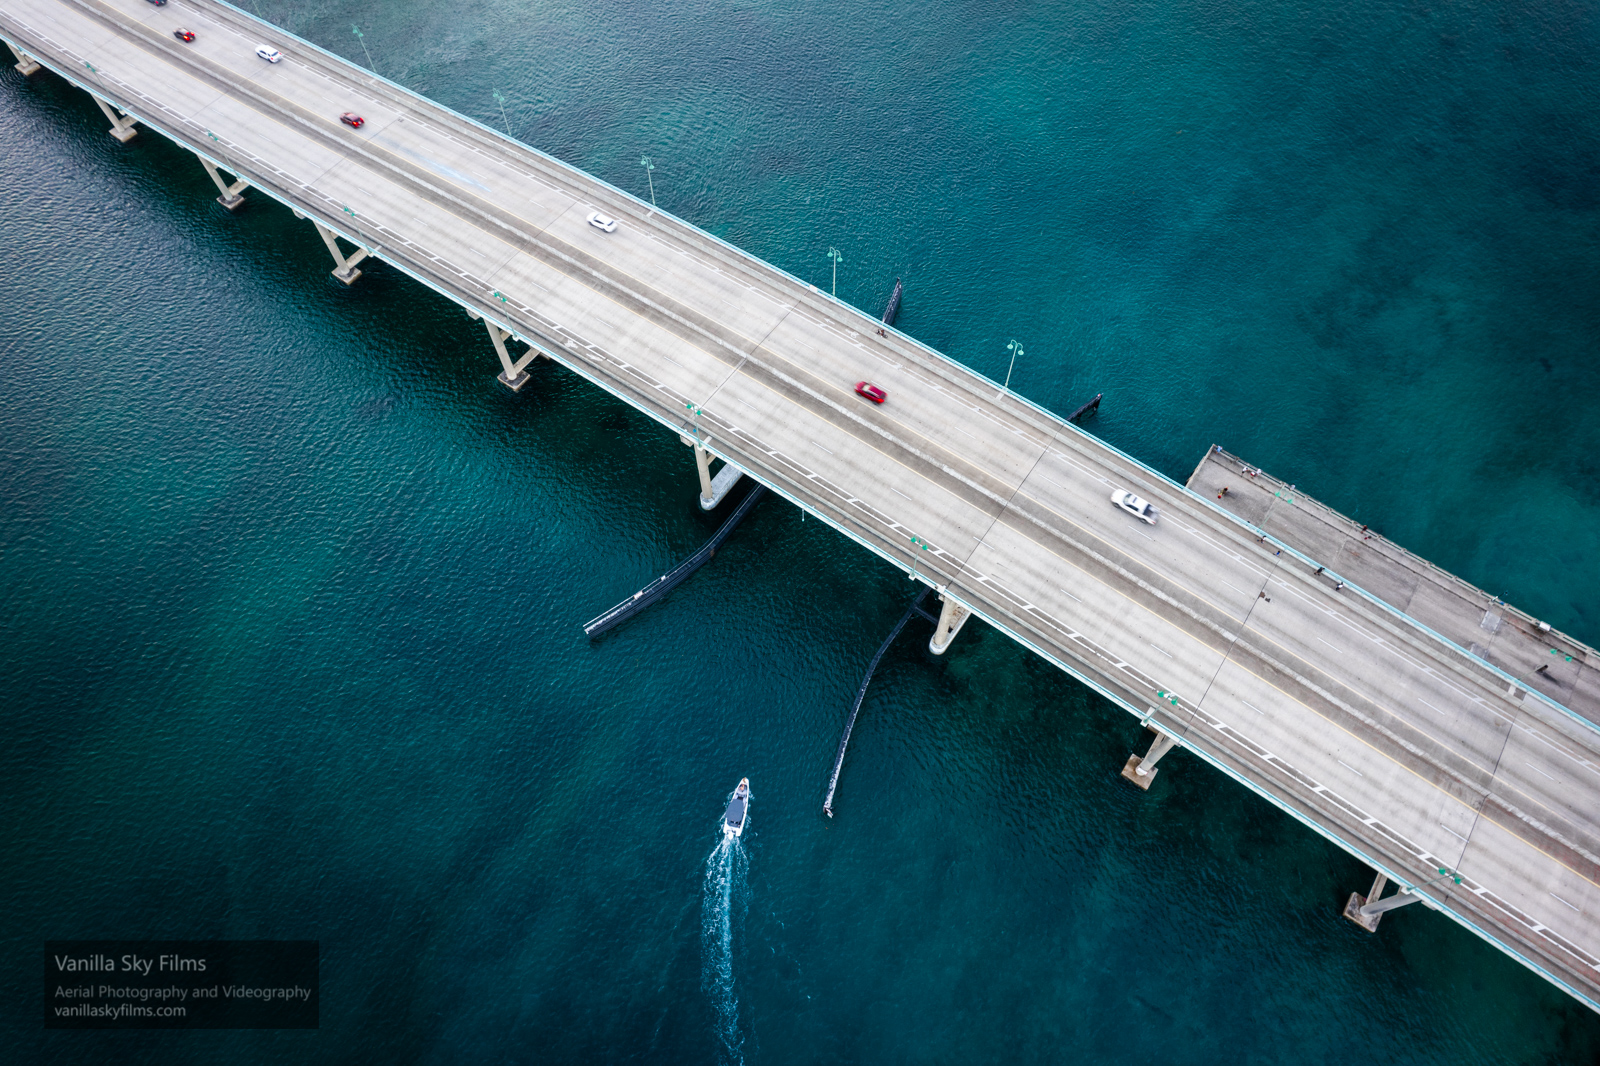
[[26, 64], [702, 462], [121, 122], [514, 374], [230, 197], [1367, 910], [712, 489], [1141, 771], [952, 616], [346, 270]]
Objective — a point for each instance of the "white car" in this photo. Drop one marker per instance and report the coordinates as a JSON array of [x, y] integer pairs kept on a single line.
[[599, 221], [271, 55], [1135, 506]]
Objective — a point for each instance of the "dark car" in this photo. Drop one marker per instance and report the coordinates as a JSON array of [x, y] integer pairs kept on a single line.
[[184, 35], [353, 120], [159, 3], [871, 391]]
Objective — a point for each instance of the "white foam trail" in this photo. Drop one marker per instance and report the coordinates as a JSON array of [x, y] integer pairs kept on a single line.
[[722, 910]]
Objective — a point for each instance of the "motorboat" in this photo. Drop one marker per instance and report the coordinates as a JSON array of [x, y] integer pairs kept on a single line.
[[738, 809]]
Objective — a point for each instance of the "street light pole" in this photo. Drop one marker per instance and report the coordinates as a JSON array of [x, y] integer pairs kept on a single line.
[[1016, 350], [649, 165], [363, 39], [506, 122], [834, 254]]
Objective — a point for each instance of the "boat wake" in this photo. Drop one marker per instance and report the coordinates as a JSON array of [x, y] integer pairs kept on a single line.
[[722, 910]]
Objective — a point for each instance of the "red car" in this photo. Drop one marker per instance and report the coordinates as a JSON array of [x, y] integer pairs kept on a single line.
[[871, 391], [353, 120], [183, 35]]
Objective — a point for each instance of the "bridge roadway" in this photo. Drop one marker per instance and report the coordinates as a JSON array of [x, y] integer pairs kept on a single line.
[[1403, 749]]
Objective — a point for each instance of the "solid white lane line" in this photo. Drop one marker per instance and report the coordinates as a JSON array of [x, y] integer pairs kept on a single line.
[[1425, 703], [1069, 595], [1558, 899], [1453, 833], [1540, 772], [897, 492], [1168, 654], [1352, 769], [1253, 707]]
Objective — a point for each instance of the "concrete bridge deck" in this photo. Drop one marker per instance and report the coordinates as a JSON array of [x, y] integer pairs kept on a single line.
[[1537, 656], [1360, 722]]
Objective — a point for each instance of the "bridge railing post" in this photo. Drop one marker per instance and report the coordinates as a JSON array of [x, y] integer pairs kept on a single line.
[[952, 616], [1142, 770], [230, 197], [121, 123], [26, 64]]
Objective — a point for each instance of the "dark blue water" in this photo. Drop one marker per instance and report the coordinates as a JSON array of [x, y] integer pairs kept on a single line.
[[290, 589]]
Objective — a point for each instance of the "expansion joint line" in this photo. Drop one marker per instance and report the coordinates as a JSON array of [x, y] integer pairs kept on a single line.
[[963, 564], [744, 357]]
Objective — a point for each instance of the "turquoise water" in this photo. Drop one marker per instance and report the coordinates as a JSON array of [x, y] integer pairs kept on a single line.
[[291, 589]]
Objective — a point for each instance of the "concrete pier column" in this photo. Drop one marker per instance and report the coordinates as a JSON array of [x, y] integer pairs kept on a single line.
[[702, 462], [1366, 910], [346, 270], [26, 64], [230, 197], [121, 122], [512, 375], [1141, 771], [712, 489], [952, 616]]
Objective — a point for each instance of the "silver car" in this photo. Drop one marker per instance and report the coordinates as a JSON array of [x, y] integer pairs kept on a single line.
[[1134, 505], [599, 221], [271, 55]]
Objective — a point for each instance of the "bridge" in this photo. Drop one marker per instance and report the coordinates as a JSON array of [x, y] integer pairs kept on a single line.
[[1336, 676]]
